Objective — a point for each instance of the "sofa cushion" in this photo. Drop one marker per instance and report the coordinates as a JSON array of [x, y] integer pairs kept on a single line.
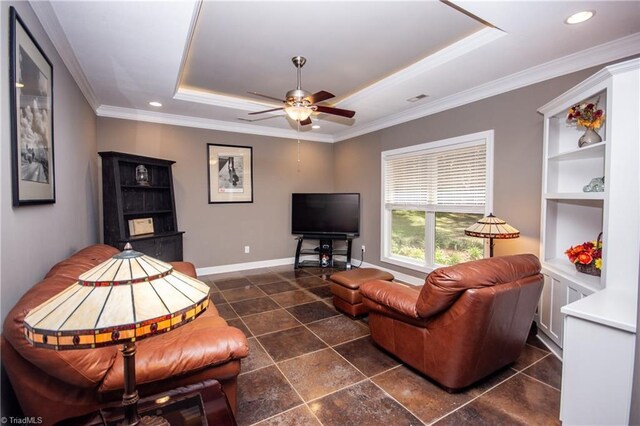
[[205, 342], [445, 285]]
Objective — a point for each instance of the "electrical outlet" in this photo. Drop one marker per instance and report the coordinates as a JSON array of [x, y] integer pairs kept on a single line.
[[247, 249], [363, 249]]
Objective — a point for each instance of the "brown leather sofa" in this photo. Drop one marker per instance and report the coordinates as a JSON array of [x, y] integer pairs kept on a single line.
[[466, 322], [56, 385]]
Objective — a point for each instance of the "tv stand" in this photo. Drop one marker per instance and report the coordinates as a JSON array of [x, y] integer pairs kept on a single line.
[[325, 252]]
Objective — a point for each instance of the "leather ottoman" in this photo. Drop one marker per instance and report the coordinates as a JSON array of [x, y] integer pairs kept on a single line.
[[345, 287]]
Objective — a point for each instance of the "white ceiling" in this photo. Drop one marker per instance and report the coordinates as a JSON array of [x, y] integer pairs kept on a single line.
[[201, 58]]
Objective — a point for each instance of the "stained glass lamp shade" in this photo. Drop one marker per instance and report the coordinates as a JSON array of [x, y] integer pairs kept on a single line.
[[492, 227], [124, 299]]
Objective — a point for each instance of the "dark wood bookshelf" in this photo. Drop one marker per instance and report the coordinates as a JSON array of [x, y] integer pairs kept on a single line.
[[123, 200]]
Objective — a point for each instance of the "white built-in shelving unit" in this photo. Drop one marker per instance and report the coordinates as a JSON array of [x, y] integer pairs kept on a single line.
[[591, 320], [569, 215]]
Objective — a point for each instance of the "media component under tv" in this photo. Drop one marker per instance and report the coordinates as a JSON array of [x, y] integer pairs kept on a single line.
[[325, 214]]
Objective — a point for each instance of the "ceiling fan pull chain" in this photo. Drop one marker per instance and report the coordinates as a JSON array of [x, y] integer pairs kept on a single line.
[[298, 122]]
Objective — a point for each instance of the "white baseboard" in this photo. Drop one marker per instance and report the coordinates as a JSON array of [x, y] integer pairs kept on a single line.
[[210, 270], [409, 279], [555, 349]]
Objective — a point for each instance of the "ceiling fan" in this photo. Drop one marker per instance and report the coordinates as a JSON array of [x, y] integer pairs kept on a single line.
[[299, 104]]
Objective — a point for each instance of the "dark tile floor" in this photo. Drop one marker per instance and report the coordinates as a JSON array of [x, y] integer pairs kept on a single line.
[[310, 365]]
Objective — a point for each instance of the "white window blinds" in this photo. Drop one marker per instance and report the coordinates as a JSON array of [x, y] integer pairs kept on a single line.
[[432, 179]]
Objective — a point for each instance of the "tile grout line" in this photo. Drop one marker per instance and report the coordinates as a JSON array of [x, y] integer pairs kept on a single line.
[[346, 360], [318, 299], [288, 381], [338, 390], [277, 414], [282, 372], [533, 363], [540, 381], [366, 378], [309, 353], [294, 388], [277, 331], [386, 371], [477, 396], [336, 352], [351, 340], [539, 349], [398, 402]]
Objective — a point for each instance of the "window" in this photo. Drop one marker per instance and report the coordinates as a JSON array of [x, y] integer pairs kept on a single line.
[[431, 193]]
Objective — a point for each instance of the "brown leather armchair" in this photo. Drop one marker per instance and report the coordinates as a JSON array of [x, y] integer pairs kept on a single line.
[[466, 322]]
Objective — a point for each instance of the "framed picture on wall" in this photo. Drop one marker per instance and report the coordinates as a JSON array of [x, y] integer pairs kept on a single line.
[[230, 172], [31, 98]]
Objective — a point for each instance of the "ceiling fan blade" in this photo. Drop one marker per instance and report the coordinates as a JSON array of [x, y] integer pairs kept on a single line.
[[320, 96], [266, 110], [266, 96], [305, 122], [335, 111]]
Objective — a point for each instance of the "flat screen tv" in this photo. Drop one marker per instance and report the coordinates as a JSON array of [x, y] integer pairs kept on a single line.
[[325, 214]]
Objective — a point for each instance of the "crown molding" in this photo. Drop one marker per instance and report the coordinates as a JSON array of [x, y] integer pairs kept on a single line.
[[606, 52], [47, 17], [578, 90], [205, 123], [447, 54]]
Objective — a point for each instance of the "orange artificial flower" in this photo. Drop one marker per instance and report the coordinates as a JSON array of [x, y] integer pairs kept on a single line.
[[585, 258]]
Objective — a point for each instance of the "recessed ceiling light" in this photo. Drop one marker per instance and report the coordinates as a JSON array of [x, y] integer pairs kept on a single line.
[[579, 17], [315, 126], [155, 104]]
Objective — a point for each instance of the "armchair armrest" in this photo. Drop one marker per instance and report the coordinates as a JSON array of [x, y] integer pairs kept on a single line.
[[398, 297]]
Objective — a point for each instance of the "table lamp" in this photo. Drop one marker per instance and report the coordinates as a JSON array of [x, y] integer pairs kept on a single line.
[[492, 227], [124, 299]]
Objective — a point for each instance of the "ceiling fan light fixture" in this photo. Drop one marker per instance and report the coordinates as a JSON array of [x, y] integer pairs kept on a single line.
[[298, 112]]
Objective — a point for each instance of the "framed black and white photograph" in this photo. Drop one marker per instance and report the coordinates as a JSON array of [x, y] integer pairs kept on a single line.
[[230, 173], [31, 93]]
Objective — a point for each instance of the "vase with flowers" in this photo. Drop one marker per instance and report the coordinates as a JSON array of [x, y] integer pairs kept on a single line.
[[589, 116], [587, 256]]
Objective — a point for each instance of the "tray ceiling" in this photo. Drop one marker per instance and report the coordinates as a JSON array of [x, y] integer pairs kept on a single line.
[[201, 58]]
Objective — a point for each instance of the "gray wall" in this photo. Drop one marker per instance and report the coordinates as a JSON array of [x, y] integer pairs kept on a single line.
[[517, 160], [34, 238], [217, 233]]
